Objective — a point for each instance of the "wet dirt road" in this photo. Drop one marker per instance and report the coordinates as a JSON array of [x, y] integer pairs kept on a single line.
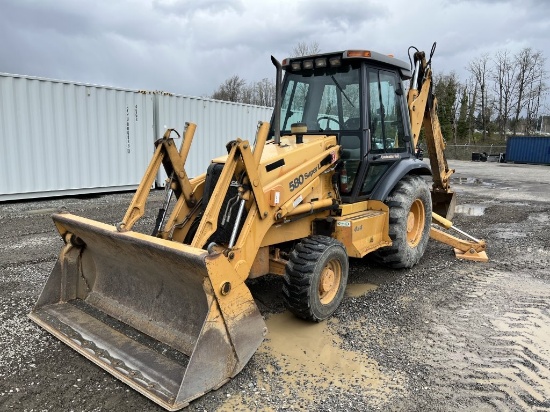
[[447, 335]]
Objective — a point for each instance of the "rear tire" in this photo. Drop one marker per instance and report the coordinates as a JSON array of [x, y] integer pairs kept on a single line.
[[316, 278], [410, 206]]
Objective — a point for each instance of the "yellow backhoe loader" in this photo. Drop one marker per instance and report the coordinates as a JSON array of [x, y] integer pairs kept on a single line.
[[335, 175]]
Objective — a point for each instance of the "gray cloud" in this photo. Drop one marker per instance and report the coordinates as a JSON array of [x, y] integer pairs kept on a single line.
[[345, 14], [191, 47], [188, 8]]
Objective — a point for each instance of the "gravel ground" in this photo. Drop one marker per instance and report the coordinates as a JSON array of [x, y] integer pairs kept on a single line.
[[447, 335]]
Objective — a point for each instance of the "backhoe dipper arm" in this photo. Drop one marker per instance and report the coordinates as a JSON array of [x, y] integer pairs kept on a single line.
[[423, 113]]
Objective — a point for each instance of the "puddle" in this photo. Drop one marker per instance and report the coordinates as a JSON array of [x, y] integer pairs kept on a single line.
[[472, 181], [310, 351], [540, 217], [469, 181], [355, 290], [507, 235], [470, 210]]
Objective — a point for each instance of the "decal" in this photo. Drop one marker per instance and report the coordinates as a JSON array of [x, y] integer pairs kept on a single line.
[[343, 223], [390, 156], [300, 179]]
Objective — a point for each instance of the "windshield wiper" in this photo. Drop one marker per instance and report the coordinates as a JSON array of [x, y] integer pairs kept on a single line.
[[342, 91]]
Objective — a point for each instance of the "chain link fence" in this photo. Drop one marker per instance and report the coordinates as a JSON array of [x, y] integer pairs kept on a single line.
[[475, 152]]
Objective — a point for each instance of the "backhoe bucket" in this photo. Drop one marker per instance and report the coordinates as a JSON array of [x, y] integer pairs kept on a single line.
[[444, 203], [171, 321]]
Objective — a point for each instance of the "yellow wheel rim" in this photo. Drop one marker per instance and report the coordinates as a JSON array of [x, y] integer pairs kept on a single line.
[[329, 282], [415, 223]]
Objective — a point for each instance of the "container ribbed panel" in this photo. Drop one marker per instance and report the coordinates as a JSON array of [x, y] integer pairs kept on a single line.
[[218, 123], [67, 138]]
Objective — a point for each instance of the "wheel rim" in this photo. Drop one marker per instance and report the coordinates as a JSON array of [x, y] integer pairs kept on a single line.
[[329, 282], [415, 223]]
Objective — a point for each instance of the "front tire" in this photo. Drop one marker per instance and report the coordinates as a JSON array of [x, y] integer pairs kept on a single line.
[[316, 278], [410, 204]]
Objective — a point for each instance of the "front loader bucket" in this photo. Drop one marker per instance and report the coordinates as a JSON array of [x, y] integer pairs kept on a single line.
[[149, 311]]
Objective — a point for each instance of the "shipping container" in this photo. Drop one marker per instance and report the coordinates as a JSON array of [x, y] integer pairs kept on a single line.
[[528, 149], [218, 122], [65, 138]]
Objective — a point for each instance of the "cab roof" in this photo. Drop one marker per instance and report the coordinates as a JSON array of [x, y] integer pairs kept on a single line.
[[336, 59]]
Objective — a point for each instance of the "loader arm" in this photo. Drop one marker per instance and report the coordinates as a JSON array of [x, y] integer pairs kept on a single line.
[[167, 154]]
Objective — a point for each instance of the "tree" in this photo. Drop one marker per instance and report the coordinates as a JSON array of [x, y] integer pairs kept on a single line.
[[264, 93], [504, 76], [479, 70], [232, 90], [305, 49], [537, 88], [235, 89], [463, 125], [530, 85], [472, 98], [446, 89], [261, 93]]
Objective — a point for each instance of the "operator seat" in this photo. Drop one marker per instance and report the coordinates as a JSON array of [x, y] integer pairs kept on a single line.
[[353, 123]]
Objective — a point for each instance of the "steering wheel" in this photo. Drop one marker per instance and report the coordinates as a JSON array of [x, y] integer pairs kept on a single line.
[[328, 119]]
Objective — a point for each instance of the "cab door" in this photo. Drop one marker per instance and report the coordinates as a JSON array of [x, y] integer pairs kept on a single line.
[[387, 137]]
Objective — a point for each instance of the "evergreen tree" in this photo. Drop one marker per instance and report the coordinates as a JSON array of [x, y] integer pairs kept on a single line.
[[463, 124]]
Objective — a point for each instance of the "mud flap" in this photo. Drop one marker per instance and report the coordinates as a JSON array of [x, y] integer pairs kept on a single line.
[[149, 311]]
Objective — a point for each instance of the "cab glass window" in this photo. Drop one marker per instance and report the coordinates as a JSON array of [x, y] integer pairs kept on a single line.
[[385, 112], [324, 99]]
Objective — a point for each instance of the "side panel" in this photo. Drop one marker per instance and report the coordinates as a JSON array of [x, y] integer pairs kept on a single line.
[[60, 138], [364, 232], [217, 123]]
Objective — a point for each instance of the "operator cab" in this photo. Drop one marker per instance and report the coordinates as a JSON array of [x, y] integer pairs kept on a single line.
[[358, 96]]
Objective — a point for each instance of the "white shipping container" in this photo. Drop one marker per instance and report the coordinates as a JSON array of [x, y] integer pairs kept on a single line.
[[218, 123], [64, 138]]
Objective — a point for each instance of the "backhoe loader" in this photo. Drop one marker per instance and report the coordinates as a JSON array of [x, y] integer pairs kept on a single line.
[[334, 175]]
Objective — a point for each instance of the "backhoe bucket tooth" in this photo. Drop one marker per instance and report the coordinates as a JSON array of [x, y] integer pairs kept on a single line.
[[149, 311], [444, 203]]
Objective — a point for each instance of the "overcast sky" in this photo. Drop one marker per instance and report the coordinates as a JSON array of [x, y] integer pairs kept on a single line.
[[191, 46]]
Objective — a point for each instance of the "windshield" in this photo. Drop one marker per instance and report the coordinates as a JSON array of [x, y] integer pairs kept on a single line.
[[325, 100]]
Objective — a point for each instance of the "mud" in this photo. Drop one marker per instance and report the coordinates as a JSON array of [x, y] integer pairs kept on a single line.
[[355, 290], [447, 335], [313, 360]]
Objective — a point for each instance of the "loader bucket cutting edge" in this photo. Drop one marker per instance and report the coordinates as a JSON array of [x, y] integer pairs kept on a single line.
[[144, 309]]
